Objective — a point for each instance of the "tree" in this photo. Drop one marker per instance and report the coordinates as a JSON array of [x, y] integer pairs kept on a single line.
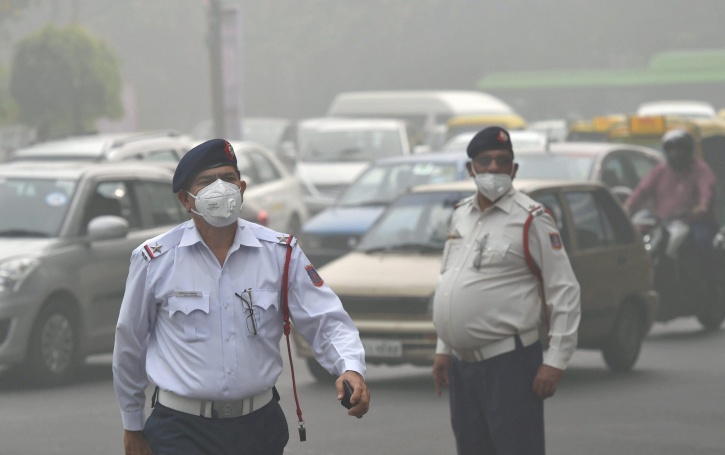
[[63, 80]]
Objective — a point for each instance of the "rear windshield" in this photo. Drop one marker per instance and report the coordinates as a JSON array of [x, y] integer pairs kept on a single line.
[[34, 207], [320, 145], [554, 167]]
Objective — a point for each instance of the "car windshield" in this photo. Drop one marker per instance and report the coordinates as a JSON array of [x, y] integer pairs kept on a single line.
[[322, 145], [416, 222], [264, 132], [554, 167], [380, 185], [33, 207]]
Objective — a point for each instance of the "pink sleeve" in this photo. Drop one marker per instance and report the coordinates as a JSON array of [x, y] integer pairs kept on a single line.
[[705, 183], [645, 188]]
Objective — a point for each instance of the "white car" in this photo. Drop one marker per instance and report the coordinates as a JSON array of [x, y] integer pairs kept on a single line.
[[332, 152], [271, 188]]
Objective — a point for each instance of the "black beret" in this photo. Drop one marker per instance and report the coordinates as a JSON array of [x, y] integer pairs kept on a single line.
[[491, 138], [207, 155]]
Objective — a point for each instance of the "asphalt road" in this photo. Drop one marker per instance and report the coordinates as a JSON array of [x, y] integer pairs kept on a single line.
[[673, 403]]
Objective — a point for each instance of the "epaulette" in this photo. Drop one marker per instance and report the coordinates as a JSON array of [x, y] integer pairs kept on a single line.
[[156, 246], [268, 235], [465, 200], [528, 204]]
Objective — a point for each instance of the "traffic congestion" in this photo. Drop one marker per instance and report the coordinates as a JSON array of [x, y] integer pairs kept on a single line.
[[528, 262]]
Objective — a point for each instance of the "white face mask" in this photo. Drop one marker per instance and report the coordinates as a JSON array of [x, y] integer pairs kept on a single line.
[[492, 186], [219, 203]]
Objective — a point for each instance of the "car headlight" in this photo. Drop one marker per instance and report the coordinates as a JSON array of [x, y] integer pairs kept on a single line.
[[14, 271]]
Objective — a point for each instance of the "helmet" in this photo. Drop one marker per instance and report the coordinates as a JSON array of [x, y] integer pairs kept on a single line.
[[679, 140]]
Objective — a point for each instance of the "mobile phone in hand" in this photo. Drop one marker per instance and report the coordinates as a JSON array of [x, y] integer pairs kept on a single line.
[[348, 393]]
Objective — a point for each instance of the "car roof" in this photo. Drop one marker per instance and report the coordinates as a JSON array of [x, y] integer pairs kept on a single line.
[[90, 146], [523, 185], [342, 123], [74, 170], [427, 157], [588, 148]]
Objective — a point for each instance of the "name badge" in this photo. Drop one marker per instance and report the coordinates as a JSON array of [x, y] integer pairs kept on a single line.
[[188, 293]]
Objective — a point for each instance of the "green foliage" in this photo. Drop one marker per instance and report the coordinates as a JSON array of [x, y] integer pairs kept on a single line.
[[64, 80]]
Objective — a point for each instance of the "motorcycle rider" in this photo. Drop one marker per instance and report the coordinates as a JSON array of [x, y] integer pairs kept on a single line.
[[684, 185]]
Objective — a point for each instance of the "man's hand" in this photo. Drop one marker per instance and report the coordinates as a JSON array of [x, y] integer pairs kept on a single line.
[[134, 443], [546, 380], [440, 371], [360, 395]]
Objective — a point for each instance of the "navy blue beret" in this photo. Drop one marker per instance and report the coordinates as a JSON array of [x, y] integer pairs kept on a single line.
[[491, 138], [209, 154]]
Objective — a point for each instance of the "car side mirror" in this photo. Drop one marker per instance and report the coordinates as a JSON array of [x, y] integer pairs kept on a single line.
[[107, 227]]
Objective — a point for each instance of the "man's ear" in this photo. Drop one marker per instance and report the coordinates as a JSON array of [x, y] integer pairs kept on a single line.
[[183, 197], [469, 166]]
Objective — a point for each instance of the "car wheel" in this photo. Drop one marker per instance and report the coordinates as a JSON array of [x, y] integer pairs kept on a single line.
[[320, 374], [622, 348], [53, 348], [712, 313]]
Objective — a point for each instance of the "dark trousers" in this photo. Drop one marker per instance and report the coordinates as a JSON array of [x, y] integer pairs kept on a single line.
[[171, 432], [494, 410], [703, 231]]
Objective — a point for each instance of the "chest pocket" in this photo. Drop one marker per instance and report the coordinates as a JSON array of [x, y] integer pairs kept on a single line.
[[267, 318], [191, 315], [490, 253]]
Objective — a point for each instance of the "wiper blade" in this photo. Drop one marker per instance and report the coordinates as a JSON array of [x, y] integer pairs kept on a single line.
[[22, 233], [366, 204], [420, 247]]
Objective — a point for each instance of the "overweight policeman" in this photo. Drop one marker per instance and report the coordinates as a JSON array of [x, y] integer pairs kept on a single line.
[[202, 319], [487, 310]]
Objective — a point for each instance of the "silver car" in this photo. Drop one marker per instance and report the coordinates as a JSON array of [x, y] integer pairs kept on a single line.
[[66, 235]]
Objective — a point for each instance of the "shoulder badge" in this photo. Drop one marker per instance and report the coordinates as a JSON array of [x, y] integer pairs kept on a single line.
[[555, 240], [314, 276], [151, 251]]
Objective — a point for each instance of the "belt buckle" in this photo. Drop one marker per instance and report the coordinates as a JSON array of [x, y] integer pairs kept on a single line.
[[226, 409]]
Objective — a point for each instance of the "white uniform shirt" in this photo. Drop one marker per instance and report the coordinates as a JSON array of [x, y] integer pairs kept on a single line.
[[182, 326], [486, 291]]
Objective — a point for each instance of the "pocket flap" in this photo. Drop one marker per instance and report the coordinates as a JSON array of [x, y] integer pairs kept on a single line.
[[188, 304], [265, 298]]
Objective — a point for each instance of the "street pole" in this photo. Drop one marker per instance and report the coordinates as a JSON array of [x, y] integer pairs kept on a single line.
[[215, 73]]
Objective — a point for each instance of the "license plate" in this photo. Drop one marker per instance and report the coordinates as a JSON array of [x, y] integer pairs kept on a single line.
[[382, 348]]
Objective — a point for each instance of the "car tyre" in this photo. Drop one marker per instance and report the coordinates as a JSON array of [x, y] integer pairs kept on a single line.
[[320, 374], [712, 314], [624, 343], [53, 348]]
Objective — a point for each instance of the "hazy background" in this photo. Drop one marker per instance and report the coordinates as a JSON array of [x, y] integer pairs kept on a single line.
[[299, 53]]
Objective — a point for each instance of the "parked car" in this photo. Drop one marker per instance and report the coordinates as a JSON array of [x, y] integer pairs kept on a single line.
[[337, 229], [271, 188], [387, 283], [333, 152], [66, 236], [158, 146], [618, 166]]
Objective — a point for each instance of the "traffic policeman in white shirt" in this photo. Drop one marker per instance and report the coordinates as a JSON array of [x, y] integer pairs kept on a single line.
[[487, 310], [202, 319]]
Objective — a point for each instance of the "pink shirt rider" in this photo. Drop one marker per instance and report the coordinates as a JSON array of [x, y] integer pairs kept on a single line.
[[672, 192]]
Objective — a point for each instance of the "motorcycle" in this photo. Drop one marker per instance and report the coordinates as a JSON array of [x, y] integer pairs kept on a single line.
[[678, 274]]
